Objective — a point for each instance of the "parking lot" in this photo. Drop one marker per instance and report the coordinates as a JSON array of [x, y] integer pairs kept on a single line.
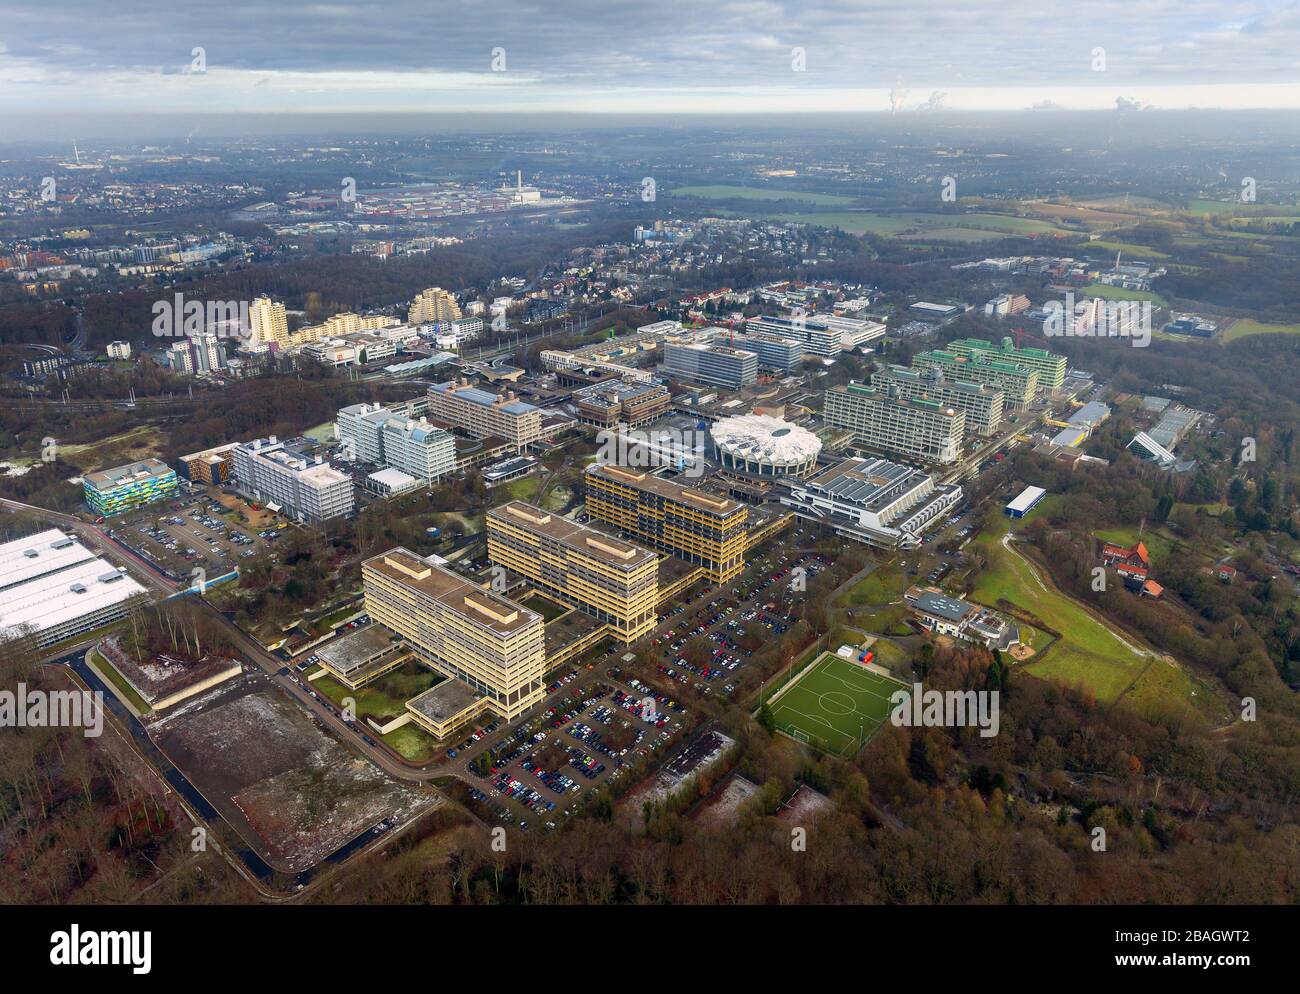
[[545, 770], [189, 533]]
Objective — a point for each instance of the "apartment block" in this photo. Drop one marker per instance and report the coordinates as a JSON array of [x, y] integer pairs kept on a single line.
[[483, 413], [884, 421], [716, 365], [699, 527], [434, 304], [124, 488], [270, 323], [461, 629], [1018, 384], [981, 402], [1049, 366], [612, 580], [304, 486]]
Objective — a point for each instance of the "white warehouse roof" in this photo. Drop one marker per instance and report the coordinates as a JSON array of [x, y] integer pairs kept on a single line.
[[51, 600]]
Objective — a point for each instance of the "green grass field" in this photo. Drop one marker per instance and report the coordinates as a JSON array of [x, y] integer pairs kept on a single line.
[[1119, 293], [1242, 328], [835, 704], [387, 696], [878, 587], [1088, 653], [1159, 545]]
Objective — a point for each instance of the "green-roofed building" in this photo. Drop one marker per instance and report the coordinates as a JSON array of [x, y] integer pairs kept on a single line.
[[1049, 366], [1018, 383], [883, 421], [982, 402]]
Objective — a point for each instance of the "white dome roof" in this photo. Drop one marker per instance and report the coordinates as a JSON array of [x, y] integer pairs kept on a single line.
[[765, 439]]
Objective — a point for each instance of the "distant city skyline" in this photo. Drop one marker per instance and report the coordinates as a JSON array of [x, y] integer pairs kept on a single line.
[[668, 56]]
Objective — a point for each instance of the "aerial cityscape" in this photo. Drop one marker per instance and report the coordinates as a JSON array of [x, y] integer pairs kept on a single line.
[[771, 455]]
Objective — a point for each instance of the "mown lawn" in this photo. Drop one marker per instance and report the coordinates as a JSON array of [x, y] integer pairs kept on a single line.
[[387, 696], [878, 587], [412, 743], [1087, 653]]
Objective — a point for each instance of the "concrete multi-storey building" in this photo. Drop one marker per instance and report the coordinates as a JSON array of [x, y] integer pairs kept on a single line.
[[301, 485], [775, 352], [461, 629], [699, 527], [714, 364], [482, 413], [358, 427], [417, 448], [612, 580], [119, 350], [123, 488], [883, 421], [621, 401], [434, 304], [211, 466], [1049, 366], [881, 503], [981, 402], [1006, 305], [1018, 384], [824, 335], [270, 323]]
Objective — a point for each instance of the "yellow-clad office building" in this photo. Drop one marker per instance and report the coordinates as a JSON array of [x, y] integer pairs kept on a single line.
[[613, 580], [460, 628], [699, 527]]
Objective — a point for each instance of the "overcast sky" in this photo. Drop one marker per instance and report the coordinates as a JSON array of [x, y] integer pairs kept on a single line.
[[660, 55]]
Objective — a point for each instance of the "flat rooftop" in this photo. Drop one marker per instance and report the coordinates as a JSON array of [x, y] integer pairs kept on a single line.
[[466, 598], [52, 599], [25, 559], [445, 701], [145, 469], [873, 484], [709, 503], [567, 629], [581, 538], [350, 652]]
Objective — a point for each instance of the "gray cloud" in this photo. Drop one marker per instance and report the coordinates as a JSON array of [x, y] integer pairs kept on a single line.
[[572, 47]]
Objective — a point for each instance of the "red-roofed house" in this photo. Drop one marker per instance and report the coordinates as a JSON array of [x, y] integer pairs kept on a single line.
[[1151, 589], [1134, 562], [1227, 573]]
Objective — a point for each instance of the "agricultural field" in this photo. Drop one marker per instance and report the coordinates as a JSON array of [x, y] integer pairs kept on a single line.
[[761, 193]]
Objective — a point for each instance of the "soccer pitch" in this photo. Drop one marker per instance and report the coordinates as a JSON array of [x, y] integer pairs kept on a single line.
[[835, 704]]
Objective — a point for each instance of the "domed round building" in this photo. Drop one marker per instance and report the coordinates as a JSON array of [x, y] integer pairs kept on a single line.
[[765, 447]]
